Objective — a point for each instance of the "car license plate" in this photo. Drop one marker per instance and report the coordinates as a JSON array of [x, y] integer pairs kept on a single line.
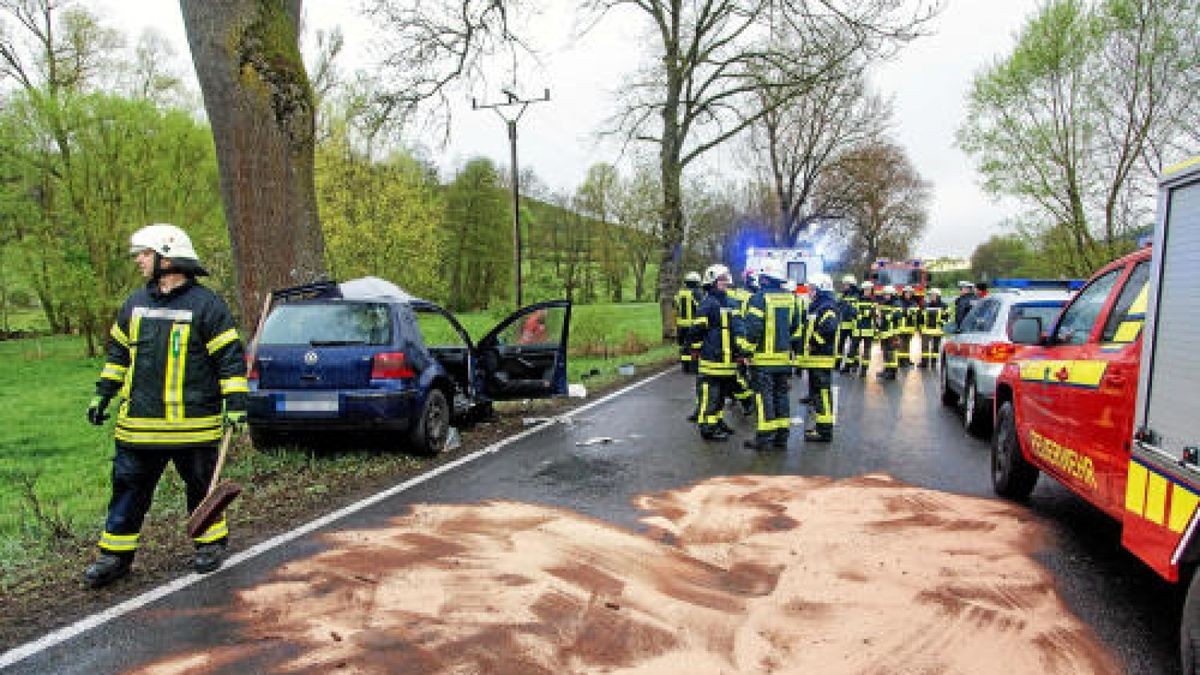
[[309, 402]]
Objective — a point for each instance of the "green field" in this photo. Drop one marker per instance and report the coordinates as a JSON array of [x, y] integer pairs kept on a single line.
[[54, 481]]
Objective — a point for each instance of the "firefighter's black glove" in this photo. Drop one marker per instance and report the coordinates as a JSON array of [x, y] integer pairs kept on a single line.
[[235, 413], [95, 411]]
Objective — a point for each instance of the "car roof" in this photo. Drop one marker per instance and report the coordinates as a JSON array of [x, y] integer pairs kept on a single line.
[[373, 288], [1017, 296]]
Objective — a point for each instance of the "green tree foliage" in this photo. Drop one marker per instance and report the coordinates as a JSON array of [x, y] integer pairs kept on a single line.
[[69, 208], [478, 236], [1078, 120], [1005, 256], [381, 218]]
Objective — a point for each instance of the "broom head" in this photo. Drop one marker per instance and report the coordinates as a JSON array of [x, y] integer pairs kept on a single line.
[[212, 508]]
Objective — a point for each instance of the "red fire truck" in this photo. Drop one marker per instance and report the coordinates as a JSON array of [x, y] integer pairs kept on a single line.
[[900, 273], [1104, 401]]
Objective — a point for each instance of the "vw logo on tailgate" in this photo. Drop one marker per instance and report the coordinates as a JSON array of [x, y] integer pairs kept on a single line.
[[310, 358]]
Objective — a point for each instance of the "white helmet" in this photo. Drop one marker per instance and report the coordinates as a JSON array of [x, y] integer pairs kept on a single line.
[[907, 289], [888, 290], [715, 272], [935, 291], [867, 285], [692, 277], [821, 282], [169, 242], [849, 279]]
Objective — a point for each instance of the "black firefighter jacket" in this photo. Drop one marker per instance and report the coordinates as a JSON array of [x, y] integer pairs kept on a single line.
[[173, 358]]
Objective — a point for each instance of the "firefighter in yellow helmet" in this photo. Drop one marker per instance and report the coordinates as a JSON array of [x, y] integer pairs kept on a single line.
[[175, 363]]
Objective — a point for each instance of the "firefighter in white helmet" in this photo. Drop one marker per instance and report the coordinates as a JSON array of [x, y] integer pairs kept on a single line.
[[859, 356], [723, 348], [182, 384], [889, 311], [847, 311], [816, 356], [934, 315], [773, 321]]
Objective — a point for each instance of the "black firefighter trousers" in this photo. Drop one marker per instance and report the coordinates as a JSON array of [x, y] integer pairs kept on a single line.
[[135, 474]]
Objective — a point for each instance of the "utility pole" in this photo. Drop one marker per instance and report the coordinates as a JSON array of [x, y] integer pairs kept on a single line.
[[511, 123]]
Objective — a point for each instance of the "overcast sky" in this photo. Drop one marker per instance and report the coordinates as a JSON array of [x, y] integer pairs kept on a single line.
[[929, 83]]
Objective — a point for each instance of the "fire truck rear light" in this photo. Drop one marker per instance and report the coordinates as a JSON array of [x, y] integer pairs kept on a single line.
[[391, 366], [999, 352]]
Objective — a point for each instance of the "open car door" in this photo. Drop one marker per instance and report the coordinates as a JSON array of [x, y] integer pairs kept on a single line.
[[525, 356]]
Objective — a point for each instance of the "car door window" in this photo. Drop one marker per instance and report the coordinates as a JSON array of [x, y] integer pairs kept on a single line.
[[539, 327], [1075, 325], [981, 318], [1125, 321]]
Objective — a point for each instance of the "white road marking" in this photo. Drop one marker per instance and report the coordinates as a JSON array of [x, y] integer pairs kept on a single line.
[[100, 618]]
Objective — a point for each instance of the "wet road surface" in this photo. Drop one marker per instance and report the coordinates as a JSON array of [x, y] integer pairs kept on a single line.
[[596, 462]]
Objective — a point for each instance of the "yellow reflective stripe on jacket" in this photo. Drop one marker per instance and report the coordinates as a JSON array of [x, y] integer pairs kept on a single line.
[[118, 542], [167, 437], [176, 363], [214, 345], [154, 423], [218, 530], [234, 385], [135, 324], [715, 368], [119, 335], [114, 371]]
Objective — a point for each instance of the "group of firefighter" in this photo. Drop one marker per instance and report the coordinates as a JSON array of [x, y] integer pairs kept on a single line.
[[745, 343]]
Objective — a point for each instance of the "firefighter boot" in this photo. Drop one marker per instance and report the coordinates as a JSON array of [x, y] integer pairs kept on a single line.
[[862, 371], [108, 568], [814, 435], [780, 440], [757, 443], [209, 557], [723, 427]]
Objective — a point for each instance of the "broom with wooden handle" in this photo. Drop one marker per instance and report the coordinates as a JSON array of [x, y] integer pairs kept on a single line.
[[222, 493]]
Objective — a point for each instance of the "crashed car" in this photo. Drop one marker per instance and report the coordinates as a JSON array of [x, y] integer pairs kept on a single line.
[[365, 356]]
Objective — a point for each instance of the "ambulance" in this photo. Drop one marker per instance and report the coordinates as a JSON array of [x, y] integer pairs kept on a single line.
[[797, 265], [1104, 398]]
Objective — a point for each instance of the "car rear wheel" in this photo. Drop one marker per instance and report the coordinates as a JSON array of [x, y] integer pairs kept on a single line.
[[949, 398], [1189, 630], [429, 436], [1012, 476], [977, 415]]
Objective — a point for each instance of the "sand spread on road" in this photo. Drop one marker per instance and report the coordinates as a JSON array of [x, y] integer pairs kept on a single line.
[[746, 574]]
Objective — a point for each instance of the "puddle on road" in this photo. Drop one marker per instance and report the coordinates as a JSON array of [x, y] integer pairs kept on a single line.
[[752, 574]]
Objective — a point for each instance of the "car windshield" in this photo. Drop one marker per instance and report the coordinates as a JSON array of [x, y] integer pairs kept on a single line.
[[328, 324], [899, 277], [1047, 311]]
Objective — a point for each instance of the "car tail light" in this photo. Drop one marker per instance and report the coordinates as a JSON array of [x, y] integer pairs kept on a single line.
[[999, 352], [251, 368], [391, 366]]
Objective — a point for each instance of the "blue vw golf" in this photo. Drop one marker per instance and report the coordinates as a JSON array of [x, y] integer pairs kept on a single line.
[[364, 355]]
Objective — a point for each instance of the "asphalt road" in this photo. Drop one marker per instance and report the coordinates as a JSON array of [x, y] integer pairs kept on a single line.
[[899, 428]]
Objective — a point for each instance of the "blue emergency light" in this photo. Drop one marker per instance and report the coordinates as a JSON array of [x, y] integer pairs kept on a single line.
[[1036, 284]]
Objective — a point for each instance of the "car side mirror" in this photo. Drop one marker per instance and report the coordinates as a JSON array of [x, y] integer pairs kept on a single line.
[[1027, 331]]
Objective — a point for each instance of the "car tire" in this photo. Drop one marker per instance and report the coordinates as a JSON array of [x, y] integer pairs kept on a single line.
[[949, 398], [977, 417], [430, 433], [1012, 476], [1189, 630]]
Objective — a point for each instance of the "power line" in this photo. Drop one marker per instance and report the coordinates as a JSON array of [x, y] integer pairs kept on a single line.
[[511, 124]]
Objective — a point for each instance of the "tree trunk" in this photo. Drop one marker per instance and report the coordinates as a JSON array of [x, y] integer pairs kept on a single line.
[[260, 105]]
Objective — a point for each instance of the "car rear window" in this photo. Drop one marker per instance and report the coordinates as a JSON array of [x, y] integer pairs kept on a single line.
[[329, 324], [1046, 310]]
